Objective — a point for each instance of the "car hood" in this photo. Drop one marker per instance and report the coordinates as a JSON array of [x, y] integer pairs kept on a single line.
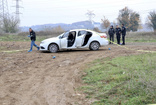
[[50, 39]]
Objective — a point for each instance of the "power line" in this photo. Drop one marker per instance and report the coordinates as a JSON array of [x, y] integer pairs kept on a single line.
[[17, 12], [90, 15], [4, 9]]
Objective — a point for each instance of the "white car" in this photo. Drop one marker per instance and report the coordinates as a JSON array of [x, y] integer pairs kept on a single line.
[[75, 39]]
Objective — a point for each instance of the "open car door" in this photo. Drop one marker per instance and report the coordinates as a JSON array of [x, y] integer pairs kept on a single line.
[[64, 43], [64, 40], [80, 40]]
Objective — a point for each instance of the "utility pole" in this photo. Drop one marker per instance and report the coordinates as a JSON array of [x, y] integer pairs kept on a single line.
[[90, 15], [17, 12], [4, 12]]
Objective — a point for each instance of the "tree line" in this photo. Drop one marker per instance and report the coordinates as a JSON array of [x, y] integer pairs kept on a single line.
[[131, 20]]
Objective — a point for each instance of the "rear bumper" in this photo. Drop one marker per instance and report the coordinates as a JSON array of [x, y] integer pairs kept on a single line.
[[105, 42]]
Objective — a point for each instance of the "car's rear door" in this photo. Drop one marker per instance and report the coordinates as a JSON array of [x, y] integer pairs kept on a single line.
[[80, 38]]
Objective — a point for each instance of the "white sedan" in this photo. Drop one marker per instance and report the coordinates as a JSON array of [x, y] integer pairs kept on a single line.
[[75, 39]]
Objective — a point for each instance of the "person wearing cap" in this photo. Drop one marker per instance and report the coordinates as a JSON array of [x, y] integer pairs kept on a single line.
[[118, 34], [123, 31], [33, 39], [111, 33]]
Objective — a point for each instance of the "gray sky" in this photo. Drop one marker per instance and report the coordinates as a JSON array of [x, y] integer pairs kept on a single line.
[[37, 12]]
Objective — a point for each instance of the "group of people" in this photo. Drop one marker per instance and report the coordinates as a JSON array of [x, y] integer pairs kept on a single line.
[[119, 31]]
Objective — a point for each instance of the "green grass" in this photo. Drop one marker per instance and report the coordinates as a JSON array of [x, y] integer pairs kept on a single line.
[[127, 80], [20, 38], [141, 37]]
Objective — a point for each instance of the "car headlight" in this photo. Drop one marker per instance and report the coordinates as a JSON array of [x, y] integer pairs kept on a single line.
[[42, 42]]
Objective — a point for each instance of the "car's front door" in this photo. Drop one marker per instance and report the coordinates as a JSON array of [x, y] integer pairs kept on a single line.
[[80, 38], [64, 40]]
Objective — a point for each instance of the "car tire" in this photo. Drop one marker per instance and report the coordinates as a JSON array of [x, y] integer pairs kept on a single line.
[[94, 46], [53, 48]]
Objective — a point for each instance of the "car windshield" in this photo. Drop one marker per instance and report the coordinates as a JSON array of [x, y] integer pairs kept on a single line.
[[61, 35], [65, 34]]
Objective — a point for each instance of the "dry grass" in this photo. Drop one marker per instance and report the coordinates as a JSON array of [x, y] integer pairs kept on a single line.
[[140, 37]]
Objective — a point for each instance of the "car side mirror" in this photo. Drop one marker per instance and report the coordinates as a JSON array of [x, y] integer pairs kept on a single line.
[[60, 37]]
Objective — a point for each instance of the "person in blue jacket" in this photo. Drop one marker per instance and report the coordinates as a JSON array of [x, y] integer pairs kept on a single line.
[[33, 39]]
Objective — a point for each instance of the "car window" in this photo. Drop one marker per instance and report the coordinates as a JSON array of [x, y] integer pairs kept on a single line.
[[66, 34], [89, 33], [73, 33], [81, 33]]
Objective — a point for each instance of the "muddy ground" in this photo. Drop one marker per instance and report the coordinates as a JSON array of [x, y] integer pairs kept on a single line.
[[37, 79]]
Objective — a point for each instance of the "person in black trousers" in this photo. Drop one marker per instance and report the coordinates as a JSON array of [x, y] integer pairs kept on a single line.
[[118, 34], [111, 33], [123, 31]]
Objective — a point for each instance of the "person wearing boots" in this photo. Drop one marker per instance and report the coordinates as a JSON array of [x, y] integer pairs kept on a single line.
[[111, 33], [118, 34]]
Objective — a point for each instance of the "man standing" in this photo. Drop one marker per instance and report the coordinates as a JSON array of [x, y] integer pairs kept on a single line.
[[123, 31], [33, 39], [118, 33], [111, 34]]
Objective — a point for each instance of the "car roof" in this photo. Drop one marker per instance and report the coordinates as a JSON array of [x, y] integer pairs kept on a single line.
[[81, 30]]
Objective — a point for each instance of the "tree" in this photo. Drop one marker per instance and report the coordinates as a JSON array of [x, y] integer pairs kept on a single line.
[[96, 29], [129, 18], [105, 23], [152, 20], [10, 24]]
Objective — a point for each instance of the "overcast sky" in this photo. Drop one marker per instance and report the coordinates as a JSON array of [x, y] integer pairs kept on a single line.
[[37, 12]]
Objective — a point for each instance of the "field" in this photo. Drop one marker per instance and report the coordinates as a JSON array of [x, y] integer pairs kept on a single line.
[[80, 77], [128, 80]]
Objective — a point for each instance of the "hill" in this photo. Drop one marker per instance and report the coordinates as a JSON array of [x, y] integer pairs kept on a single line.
[[76, 25]]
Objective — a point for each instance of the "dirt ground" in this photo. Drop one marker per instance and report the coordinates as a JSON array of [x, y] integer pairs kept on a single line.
[[37, 79]]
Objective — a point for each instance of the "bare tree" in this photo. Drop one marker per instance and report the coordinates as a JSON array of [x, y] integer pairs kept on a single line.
[[152, 20], [96, 29], [105, 23], [10, 24]]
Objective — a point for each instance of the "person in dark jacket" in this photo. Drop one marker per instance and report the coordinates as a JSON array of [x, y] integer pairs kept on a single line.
[[111, 33], [123, 31], [118, 33], [33, 39]]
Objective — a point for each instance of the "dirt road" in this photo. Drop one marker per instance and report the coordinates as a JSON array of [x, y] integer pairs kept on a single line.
[[37, 79]]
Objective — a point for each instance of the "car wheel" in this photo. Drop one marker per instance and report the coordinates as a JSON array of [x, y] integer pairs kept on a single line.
[[53, 48], [94, 46]]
